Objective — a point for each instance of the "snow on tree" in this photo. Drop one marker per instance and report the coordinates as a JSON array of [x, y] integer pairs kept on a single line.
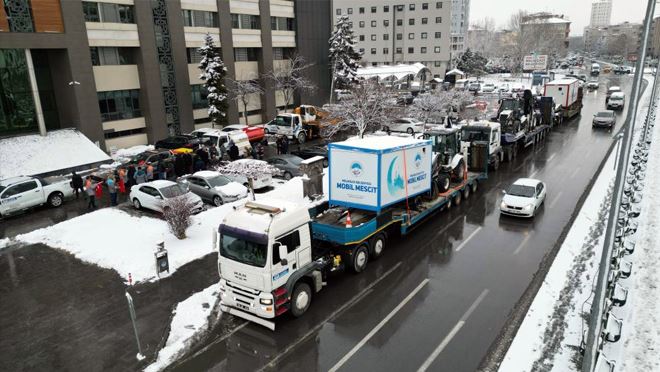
[[430, 108], [241, 90], [472, 63], [177, 212], [367, 110], [213, 75], [289, 80], [252, 169], [344, 55]]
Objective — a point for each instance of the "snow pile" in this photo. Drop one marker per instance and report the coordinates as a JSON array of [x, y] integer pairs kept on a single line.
[[191, 318], [58, 150], [4, 242], [128, 153]]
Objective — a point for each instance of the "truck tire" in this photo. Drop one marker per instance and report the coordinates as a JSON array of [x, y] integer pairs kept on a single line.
[[55, 199], [301, 299], [410, 131], [457, 199], [475, 186], [466, 192], [459, 171], [443, 183], [301, 137], [359, 258], [377, 245]]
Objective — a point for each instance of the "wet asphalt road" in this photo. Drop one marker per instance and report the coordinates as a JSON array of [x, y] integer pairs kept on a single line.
[[439, 297]]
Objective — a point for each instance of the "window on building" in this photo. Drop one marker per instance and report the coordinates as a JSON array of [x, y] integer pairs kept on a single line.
[[399, 36], [246, 54], [411, 50], [282, 24], [386, 22], [373, 9], [436, 49], [198, 18], [399, 22], [438, 19], [338, 12], [193, 55], [361, 37], [361, 24], [423, 50], [373, 50], [361, 10], [119, 104], [399, 8], [128, 132], [103, 56], [386, 37], [245, 21], [108, 12], [398, 50], [438, 35], [386, 9], [374, 64], [349, 10], [425, 21], [438, 5], [373, 37], [199, 94], [362, 50], [373, 23], [438, 63], [386, 50], [425, 6], [411, 36], [424, 35], [411, 6]]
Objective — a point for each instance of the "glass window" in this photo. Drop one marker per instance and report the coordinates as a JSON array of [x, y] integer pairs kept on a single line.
[[91, 11], [291, 241], [423, 50], [350, 10], [373, 37], [234, 21], [361, 24], [398, 51], [119, 104], [399, 36], [411, 50], [399, 22], [373, 23], [386, 22], [338, 12], [361, 37], [373, 9], [273, 23], [361, 10], [438, 35], [411, 36], [109, 56], [438, 5], [425, 6], [438, 19], [278, 54], [373, 50], [96, 60], [411, 21], [291, 24], [126, 13], [386, 9], [242, 250], [411, 6], [399, 8], [425, 21], [386, 37], [199, 96], [436, 49], [19, 189], [109, 13], [425, 35], [386, 51]]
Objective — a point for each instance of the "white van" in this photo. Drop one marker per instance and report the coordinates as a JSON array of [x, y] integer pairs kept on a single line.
[[218, 138]]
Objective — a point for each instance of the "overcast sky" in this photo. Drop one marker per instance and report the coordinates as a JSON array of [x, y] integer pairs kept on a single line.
[[577, 11]]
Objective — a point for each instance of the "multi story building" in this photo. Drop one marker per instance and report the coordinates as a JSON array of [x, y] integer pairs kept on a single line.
[[124, 72], [601, 13], [621, 39], [655, 38], [460, 20], [551, 32], [393, 32]]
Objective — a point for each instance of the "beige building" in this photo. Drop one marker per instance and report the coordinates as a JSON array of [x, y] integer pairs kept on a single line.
[[549, 32], [460, 20], [601, 13], [393, 32], [621, 39]]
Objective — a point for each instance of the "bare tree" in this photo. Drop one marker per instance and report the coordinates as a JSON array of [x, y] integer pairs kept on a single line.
[[366, 110], [290, 79], [485, 40], [241, 91], [429, 107], [177, 212]]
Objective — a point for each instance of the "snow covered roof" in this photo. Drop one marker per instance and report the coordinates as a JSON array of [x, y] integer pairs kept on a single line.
[[564, 81], [456, 72], [379, 143], [59, 150], [397, 72], [547, 20]]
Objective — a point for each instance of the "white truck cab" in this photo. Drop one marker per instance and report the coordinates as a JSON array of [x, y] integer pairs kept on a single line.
[[290, 125], [265, 260], [484, 133]]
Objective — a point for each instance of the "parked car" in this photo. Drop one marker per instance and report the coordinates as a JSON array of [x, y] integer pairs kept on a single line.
[[254, 132], [264, 181], [504, 88], [618, 70], [408, 125], [154, 195], [474, 87], [604, 119], [616, 101], [312, 151], [215, 188], [488, 88], [179, 141], [20, 193], [288, 164], [523, 198], [152, 156], [405, 98], [220, 139]]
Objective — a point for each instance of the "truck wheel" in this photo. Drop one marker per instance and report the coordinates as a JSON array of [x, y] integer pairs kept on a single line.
[[459, 171], [475, 186], [443, 183], [377, 245], [301, 299], [217, 201], [457, 199], [55, 199], [302, 137], [359, 258], [466, 192], [410, 131]]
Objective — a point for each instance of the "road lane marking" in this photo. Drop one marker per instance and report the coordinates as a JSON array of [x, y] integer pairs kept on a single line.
[[575, 172], [453, 332], [316, 328], [448, 226], [377, 328], [555, 200], [216, 341], [551, 157], [522, 244], [468, 239], [534, 173]]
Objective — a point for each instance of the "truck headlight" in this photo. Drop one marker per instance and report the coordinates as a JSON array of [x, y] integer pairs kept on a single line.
[[502, 205], [266, 301]]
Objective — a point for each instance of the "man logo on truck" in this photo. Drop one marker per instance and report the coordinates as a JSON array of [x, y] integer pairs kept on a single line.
[[356, 169]]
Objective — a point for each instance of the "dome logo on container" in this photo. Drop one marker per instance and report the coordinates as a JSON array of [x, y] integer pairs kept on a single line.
[[356, 169], [418, 160]]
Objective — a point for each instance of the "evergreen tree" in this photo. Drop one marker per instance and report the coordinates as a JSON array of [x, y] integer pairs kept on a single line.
[[213, 75], [472, 63], [344, 56]]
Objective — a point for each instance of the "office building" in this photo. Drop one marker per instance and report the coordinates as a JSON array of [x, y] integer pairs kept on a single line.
[[460, 20], [393, 32], [601, 13], [124, 72], [550, 30]]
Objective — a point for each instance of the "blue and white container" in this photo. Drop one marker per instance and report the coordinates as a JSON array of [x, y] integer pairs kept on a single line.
[[374, 172]]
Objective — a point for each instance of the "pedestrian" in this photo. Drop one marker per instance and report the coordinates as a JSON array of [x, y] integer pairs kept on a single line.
[[140, 176], [162, 171], [203, 153], [233, 152], [199, 164], [260, 151], [130, 177], [150, 172], [112, 190], [285, 145], [278, 144], [188, 163], [77, 183], [90, 187], [179, 165], [98, 190], [213, 154]]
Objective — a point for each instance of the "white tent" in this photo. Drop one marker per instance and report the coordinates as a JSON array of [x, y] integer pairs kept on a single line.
[[456, 72], [416, 71]]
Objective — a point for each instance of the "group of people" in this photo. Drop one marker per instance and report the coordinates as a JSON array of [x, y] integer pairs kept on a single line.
[[93, 190]]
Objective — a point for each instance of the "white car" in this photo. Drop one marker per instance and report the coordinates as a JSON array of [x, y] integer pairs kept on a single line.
[[154, 195], [408, 125], [504, 88], [488, 88], [264, 181], [523, 198]]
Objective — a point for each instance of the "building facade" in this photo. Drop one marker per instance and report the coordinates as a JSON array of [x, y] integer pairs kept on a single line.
[[124, 72], [392, 32], [549, 31], [460, 20], [622, 39], [654, 48], [601, 13]]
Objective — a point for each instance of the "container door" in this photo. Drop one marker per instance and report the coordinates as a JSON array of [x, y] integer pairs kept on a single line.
[[282, 272]]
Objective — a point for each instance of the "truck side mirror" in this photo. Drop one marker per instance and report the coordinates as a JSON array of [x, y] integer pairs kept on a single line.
[[283, 251]]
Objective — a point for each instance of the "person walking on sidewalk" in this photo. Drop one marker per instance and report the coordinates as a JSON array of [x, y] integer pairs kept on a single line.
[[77, 184], [112, 190], [89, 189]]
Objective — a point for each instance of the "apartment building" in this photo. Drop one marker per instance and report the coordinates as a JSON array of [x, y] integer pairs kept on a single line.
[[622, 39], [460, 20], [601, 13], [124, 72], [554, 28], [392, 32]]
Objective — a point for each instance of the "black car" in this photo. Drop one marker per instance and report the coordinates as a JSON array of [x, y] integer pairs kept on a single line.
[[313, 151], [176, 142], [152, 156]]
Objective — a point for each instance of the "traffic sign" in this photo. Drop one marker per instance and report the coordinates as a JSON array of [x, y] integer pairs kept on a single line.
[[535, 62]]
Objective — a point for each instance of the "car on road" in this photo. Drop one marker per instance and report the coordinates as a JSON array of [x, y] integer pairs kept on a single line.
[[618, 70], [261, 182], [155, 195], [611, 90], [616, 101], [288, 164], [474, 87], [312, 151], [20, 193], [523, 198], [215, 188], [604, 119], [504, 88], [593, 85], [408, 125], [179, 141], [405, 99], [488, 88]]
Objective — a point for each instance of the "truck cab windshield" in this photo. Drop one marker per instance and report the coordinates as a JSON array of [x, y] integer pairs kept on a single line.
[[471, 136], [283, 121], [243, 251]]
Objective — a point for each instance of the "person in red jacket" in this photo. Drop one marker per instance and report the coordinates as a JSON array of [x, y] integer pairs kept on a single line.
[[98, 190]]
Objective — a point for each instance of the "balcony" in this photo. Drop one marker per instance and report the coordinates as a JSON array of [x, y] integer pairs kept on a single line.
[[195, 36], [282, 8], [245, 38], [244, 6], [247, 70], [204, 5], [112, 34], [116, 77], [284, 39]]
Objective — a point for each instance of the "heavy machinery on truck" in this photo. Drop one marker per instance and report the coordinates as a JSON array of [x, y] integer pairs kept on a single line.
[[275, 255]]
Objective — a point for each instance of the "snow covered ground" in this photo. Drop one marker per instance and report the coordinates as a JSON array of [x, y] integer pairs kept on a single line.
[[4, 242], [113, 239], [550, 335], [35, 154]]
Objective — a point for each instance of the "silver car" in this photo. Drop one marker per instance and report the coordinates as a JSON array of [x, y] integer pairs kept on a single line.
[[215, 188], [604, 119]]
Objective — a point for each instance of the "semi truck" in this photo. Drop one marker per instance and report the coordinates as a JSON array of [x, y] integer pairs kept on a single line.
[[567, 93], [305, 123], [276, 255]]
